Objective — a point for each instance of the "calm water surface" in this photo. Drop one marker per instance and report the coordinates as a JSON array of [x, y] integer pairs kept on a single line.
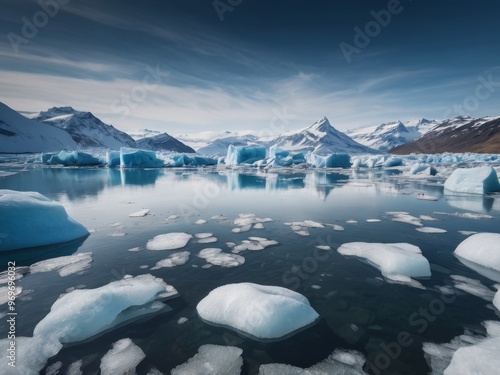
[[359, 309]]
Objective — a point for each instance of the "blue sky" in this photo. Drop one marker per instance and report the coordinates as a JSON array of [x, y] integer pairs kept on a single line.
[[184, 66]]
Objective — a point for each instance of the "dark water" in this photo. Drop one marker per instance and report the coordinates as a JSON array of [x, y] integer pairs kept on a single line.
[[359, 309]]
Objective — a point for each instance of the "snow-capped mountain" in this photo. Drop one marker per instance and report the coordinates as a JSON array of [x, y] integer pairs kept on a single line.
[[163, 142], [19, 134], [86, 129], [387, 136], [143, 133], [457, 134], [220, 145], [321, 138], [203, 139]]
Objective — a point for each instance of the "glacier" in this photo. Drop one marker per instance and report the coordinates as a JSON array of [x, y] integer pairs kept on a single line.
[[478, 180], [260, 311], [30, 219]]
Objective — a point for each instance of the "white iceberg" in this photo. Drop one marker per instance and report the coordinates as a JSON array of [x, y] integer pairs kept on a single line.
[[396, 261], [478, 180], [212, 360], [339, 362], [134, 158], [482, 249], [122, 359], [263, 312], [169, 241], [30, 219]]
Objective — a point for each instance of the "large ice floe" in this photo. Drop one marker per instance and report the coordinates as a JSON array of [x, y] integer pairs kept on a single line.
[[134, 158], [478, 180], [481, 252], [244, 222], [169, 241], [339, 362], [71, 158], [216, 257], [85, 313], [30, 219], [258, 311], [176, 259], [399, 262], [212, 360], [467, 354], [122, 359]]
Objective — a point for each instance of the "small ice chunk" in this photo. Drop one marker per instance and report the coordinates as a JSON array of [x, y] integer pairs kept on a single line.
[[312, 224], [473, 287], [66, 265], [207, 240], [203, 235], [177, 259], [254, 244], [172, 217], [467, 232], [323, 247], [169, 241], [200, 222], [393, 259], [373, 220], [303, 233], [337, 227], [427, 218], [315, 286], [258, 226], [425, 197], [430, 230], [135, 249], [404, 217], [212, 360], [466, 215], [122, 359], [480, 180], [351, 222], [219, 217], [75, 368], [140, 213], [264, 312], [182, 320], [54, 368], [216, 257]]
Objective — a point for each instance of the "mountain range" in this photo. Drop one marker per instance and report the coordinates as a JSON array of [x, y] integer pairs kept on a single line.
[[66, 128]]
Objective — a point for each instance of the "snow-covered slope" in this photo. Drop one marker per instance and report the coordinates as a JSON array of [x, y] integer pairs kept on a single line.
[[321, 138], [86, 129], [458, 134], [220, 145], [143, 133], [387, 136], [19, 134], [163, 142]]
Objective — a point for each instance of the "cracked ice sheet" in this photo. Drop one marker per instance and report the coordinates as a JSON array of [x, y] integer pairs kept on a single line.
[[472, 286]]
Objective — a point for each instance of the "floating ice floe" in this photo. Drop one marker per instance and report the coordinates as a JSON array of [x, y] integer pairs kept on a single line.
[[430, 230], [140, 213], [480, 180], [200, 222], [122, 359], [467, 354], [134, 158], [323, 247], [254, 244], [169, 241], [262, 312], [182, 320], [427, 218], [71, 158], [207, 240], [30, 219], [405, 217], [212, 360], [472, 286], [373, 220], [339, 362], [467, 232], [244, 222], [83, 314], [466, 215], [203, 235], [397, 261], [425, 197], [177, 259], [216, 257], [66, 265]]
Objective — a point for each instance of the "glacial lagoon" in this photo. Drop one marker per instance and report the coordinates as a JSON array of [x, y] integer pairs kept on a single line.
[[360, 310]]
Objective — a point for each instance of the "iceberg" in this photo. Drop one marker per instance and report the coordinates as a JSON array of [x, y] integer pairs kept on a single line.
[[480, 180], [135, 158], [71, 158], [481, 249], [113, 159], [423, 169], [331, 161], [244, 155], [185, 160], [339, 362], [261, 312], [393, 162], [30, 219], [398, 261], [123, 358], [212, 360]]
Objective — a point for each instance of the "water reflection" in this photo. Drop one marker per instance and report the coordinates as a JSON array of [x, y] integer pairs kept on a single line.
[[475, 203]]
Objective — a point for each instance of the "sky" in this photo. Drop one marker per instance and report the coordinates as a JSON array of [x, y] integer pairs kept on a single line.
[[185, 66]]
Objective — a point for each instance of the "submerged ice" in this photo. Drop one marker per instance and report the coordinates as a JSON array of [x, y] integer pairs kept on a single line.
[[212, 360]]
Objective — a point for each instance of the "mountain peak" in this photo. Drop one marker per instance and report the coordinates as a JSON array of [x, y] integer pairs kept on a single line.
[[322, 125]]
